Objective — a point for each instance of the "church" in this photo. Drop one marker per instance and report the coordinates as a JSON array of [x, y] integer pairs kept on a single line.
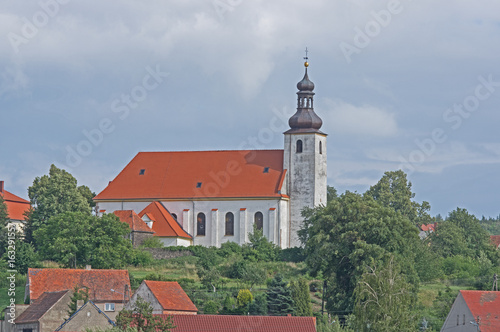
[[211, 197]]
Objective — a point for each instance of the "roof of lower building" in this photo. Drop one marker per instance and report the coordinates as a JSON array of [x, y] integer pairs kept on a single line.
[[171, 296], [135, 222], [16, 206], [99, 282], [36, 310], [486, 306], [199, 175], [222, 323], [164, 224]]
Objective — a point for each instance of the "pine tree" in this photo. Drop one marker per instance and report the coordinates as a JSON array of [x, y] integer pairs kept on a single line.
[[279, 297], [300, 295]]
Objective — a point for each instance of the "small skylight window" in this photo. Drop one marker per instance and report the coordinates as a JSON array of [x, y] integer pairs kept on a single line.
[[142, 171], [198, 185], [266, 169]]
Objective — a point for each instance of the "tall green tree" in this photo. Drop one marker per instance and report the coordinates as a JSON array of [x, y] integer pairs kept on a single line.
[[279, 297], [51, 195], [384, 300], [141, 317], [350, 233], [76, 239], [301, 299], [394, 190]]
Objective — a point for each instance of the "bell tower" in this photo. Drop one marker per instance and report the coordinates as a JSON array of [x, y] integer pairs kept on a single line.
[[304, 158]]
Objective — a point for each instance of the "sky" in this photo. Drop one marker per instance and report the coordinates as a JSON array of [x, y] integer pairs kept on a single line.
[[412, 85]]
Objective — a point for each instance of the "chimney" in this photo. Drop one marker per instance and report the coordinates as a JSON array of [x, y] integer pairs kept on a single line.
[[88, 267], [79, 304], [1, 186]]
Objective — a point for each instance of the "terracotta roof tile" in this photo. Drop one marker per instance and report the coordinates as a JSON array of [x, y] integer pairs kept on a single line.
[[99, 282], [176, 175], [36, 310], [133, 220], [495, 240], [16, 206], [222, 323], [171, 295], [164, 223], [486, 305]]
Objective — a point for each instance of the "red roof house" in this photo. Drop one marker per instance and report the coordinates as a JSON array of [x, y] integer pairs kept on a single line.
[[222, 323], [139, 231], [473, 311], [495, 240], [16, 207], [108, 289], [165, 225], [166, 297]]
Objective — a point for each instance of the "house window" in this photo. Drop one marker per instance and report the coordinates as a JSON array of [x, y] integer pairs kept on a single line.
[[109, 307], [463, 319], [320, 148], [229, 223], [27, 330], [142, 171], [458, 320], [299, 146], [174, 215], [200, 227], [259, 220], [266, 169], [198, 185]]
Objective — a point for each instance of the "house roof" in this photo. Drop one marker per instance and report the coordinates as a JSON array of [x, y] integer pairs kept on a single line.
[[82, 308], [99, 282], [221, 323], [495, 240], [16, 206], [486, 305], [428, 228], [198, 175], [36, 310], [171, 296], [164, 223], [135, 222]]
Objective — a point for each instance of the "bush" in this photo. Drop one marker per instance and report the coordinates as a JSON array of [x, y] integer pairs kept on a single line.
[[237, 270], [244, 297], [295, 255], [229, 248], [152, 242], [211, 307]]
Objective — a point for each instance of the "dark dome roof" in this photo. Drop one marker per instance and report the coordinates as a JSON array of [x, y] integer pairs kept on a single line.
[[305, 84]]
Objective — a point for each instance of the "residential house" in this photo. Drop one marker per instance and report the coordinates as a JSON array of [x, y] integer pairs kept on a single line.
[[165, 225], [16, 208], [108, 289], [227, 323], [426, 230], [218, 196], [89, 316], [165, 297], [474, 311], [46, 314], [139, 231]]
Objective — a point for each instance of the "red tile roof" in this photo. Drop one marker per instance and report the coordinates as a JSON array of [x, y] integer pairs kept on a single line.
[[164, 224], [222, 323], [428, 228], [135, 222], [36, 310], [99, 282], [176, 175], [495, 240], [486, 305], [171, 296], [16, 206]]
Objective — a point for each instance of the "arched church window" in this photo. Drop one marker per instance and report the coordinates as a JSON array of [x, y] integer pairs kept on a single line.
[[201, 225], [229, 223], [259, 220], [299, 146], [320, 147]]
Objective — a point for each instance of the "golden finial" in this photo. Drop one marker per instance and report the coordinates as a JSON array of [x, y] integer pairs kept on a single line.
[[306, 64]]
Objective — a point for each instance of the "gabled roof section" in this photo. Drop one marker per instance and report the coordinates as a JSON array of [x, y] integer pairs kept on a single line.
[[99, 282], [164, 223], [428, 228], [198, 175], [16, 206], [486, 305], [171, 296], [135, 222], [223, 323], [36, 310], [83, 307]]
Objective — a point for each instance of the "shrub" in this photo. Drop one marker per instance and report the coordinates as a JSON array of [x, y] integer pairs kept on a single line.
[[211, 307], [152, 242], [244, 297]]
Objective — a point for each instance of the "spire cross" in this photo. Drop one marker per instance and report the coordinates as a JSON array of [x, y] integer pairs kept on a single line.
[[306, 58]]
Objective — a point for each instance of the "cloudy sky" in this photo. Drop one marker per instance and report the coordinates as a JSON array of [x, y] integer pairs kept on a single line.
[[399, 84]]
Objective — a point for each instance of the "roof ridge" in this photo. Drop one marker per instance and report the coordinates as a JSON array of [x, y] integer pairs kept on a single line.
[[189, 151]]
